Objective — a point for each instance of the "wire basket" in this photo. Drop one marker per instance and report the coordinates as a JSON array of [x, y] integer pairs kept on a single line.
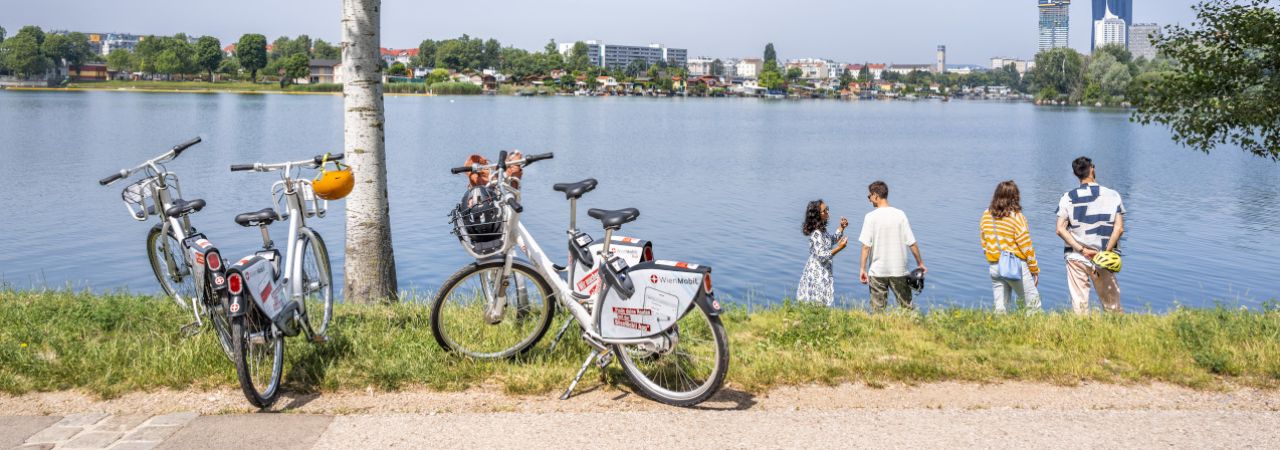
[[140, 196], [479, 221]]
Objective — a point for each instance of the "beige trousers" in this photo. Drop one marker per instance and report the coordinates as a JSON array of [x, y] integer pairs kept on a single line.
[[1083, 277]]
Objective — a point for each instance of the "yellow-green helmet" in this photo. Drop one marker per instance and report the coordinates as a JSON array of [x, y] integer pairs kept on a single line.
[[1108, 260]]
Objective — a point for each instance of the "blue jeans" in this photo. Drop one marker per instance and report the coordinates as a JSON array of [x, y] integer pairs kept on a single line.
[[1003, 290]]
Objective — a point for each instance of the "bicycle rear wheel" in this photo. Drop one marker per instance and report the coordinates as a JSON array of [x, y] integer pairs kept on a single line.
[[687, 368], [317, 281], [170, 267], [259, 357], [460, 322]]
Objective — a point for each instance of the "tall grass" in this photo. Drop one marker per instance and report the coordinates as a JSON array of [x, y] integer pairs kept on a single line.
[[115, 343], [456, 88]]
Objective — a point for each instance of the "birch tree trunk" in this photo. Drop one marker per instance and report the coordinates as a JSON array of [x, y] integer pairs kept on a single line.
[[370, 268]]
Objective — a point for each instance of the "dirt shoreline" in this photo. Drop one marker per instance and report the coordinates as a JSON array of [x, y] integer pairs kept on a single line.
[[594, 398]]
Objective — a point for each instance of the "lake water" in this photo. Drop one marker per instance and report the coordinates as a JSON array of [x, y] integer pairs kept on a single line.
[[722, 182]]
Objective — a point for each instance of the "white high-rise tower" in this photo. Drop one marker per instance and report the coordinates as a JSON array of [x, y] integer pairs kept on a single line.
[[1110, 30]]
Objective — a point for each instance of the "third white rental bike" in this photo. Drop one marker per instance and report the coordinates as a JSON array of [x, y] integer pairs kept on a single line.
[[660, 319]]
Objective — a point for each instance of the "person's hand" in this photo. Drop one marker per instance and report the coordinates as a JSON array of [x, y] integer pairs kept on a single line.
[[844, 223], [1035, 278], [924, 270], [1088, 252], [842, 243], [862, 277]]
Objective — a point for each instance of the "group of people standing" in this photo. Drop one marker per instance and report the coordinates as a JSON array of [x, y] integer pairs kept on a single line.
[[1090, 222]]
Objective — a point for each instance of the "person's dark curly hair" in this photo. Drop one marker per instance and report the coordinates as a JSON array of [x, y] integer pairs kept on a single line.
[[813, 218]]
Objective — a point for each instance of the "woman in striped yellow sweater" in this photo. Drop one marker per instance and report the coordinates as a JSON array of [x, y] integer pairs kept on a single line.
[[1004, 229]]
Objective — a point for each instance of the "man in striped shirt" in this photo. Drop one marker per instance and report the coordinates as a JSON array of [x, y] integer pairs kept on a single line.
[[1090, 220]]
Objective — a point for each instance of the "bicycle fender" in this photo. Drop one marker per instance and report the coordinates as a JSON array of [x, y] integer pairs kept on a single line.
[[236, 306]]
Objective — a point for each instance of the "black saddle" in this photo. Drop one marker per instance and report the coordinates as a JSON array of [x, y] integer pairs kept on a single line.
[[265, 216], [613, 219], [575, 190], [182, 207]]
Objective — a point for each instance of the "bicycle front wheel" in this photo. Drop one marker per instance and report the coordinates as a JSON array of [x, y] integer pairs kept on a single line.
[[170, 267], [259, 357], [686, 367], [317, 281], [477, 313]]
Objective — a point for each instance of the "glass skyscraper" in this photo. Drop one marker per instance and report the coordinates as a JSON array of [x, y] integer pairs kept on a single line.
[[1121, 8], [1054, 18]]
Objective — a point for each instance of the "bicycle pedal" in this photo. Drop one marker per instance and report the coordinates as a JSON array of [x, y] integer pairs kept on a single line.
[[604, 359], [190, 330]]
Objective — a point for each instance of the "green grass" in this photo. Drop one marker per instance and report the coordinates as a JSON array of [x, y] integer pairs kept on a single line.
[[111, 344]]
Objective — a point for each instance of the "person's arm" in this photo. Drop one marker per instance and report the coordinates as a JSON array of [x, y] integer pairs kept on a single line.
[[841, 242], [862, 264], [915, 251], [1116, 233], [1028, 248], [1071, 240]]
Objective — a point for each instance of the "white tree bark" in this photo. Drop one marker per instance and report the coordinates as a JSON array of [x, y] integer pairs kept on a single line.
[[370, 265]]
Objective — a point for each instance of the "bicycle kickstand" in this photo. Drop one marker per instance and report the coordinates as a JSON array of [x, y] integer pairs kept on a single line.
[[585, 365], [193, 328]]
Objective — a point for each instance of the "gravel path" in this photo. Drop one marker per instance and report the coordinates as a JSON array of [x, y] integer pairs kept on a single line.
[[1008, 415]]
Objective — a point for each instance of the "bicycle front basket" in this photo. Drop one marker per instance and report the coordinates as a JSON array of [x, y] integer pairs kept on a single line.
[[479, 222], [136, 197]]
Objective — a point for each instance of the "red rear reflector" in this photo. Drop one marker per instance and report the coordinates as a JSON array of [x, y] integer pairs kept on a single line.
[[235, 283], [214, 260], [706, 283]]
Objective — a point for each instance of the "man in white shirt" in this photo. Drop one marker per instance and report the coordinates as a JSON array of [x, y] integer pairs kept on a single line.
[[1090, 220], [886, 235]]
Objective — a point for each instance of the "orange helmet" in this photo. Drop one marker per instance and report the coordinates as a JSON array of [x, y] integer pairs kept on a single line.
[[334, 184]]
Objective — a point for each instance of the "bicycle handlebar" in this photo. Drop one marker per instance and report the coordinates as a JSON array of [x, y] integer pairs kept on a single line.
[[502, 163], [313, 162], [171, 154], [178, 149], [112, 178]]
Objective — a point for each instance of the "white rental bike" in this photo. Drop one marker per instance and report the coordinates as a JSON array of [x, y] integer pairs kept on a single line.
[[187, 266], [271, 298], [659, 318]]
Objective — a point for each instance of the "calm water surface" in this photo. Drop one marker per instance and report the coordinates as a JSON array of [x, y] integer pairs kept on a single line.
[[721, 182]]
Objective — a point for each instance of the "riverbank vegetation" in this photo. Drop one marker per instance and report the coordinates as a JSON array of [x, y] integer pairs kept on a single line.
[[116, 343]]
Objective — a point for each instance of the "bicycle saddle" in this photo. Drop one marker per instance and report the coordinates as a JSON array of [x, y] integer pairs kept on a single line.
[[182, 207], [575, 190], [261, 217], [613, 219]]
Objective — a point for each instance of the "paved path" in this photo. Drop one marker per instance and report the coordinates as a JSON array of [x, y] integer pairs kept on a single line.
[[952, 415], [910, 428]]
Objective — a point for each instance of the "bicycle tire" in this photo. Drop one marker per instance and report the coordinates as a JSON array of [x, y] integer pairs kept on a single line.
[[161, 270], [242, 328], [518, 267], [704, 390], [309, 239]]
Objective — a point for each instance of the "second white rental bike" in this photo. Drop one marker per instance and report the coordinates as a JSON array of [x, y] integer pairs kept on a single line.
[[273, 298]]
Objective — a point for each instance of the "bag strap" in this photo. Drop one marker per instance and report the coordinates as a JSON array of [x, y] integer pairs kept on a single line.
[[996, 232]]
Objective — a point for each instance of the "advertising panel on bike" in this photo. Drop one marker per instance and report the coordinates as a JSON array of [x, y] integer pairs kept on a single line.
[[259, 281], [663, 292], [586, 280]]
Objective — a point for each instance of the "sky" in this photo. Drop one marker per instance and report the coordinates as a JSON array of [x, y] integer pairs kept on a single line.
[[848, 30]]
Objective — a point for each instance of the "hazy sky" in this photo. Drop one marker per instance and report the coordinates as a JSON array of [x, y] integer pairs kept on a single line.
[[849, 30]]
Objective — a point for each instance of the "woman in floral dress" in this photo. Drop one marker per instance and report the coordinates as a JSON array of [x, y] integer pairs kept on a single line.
[[817, 284]]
